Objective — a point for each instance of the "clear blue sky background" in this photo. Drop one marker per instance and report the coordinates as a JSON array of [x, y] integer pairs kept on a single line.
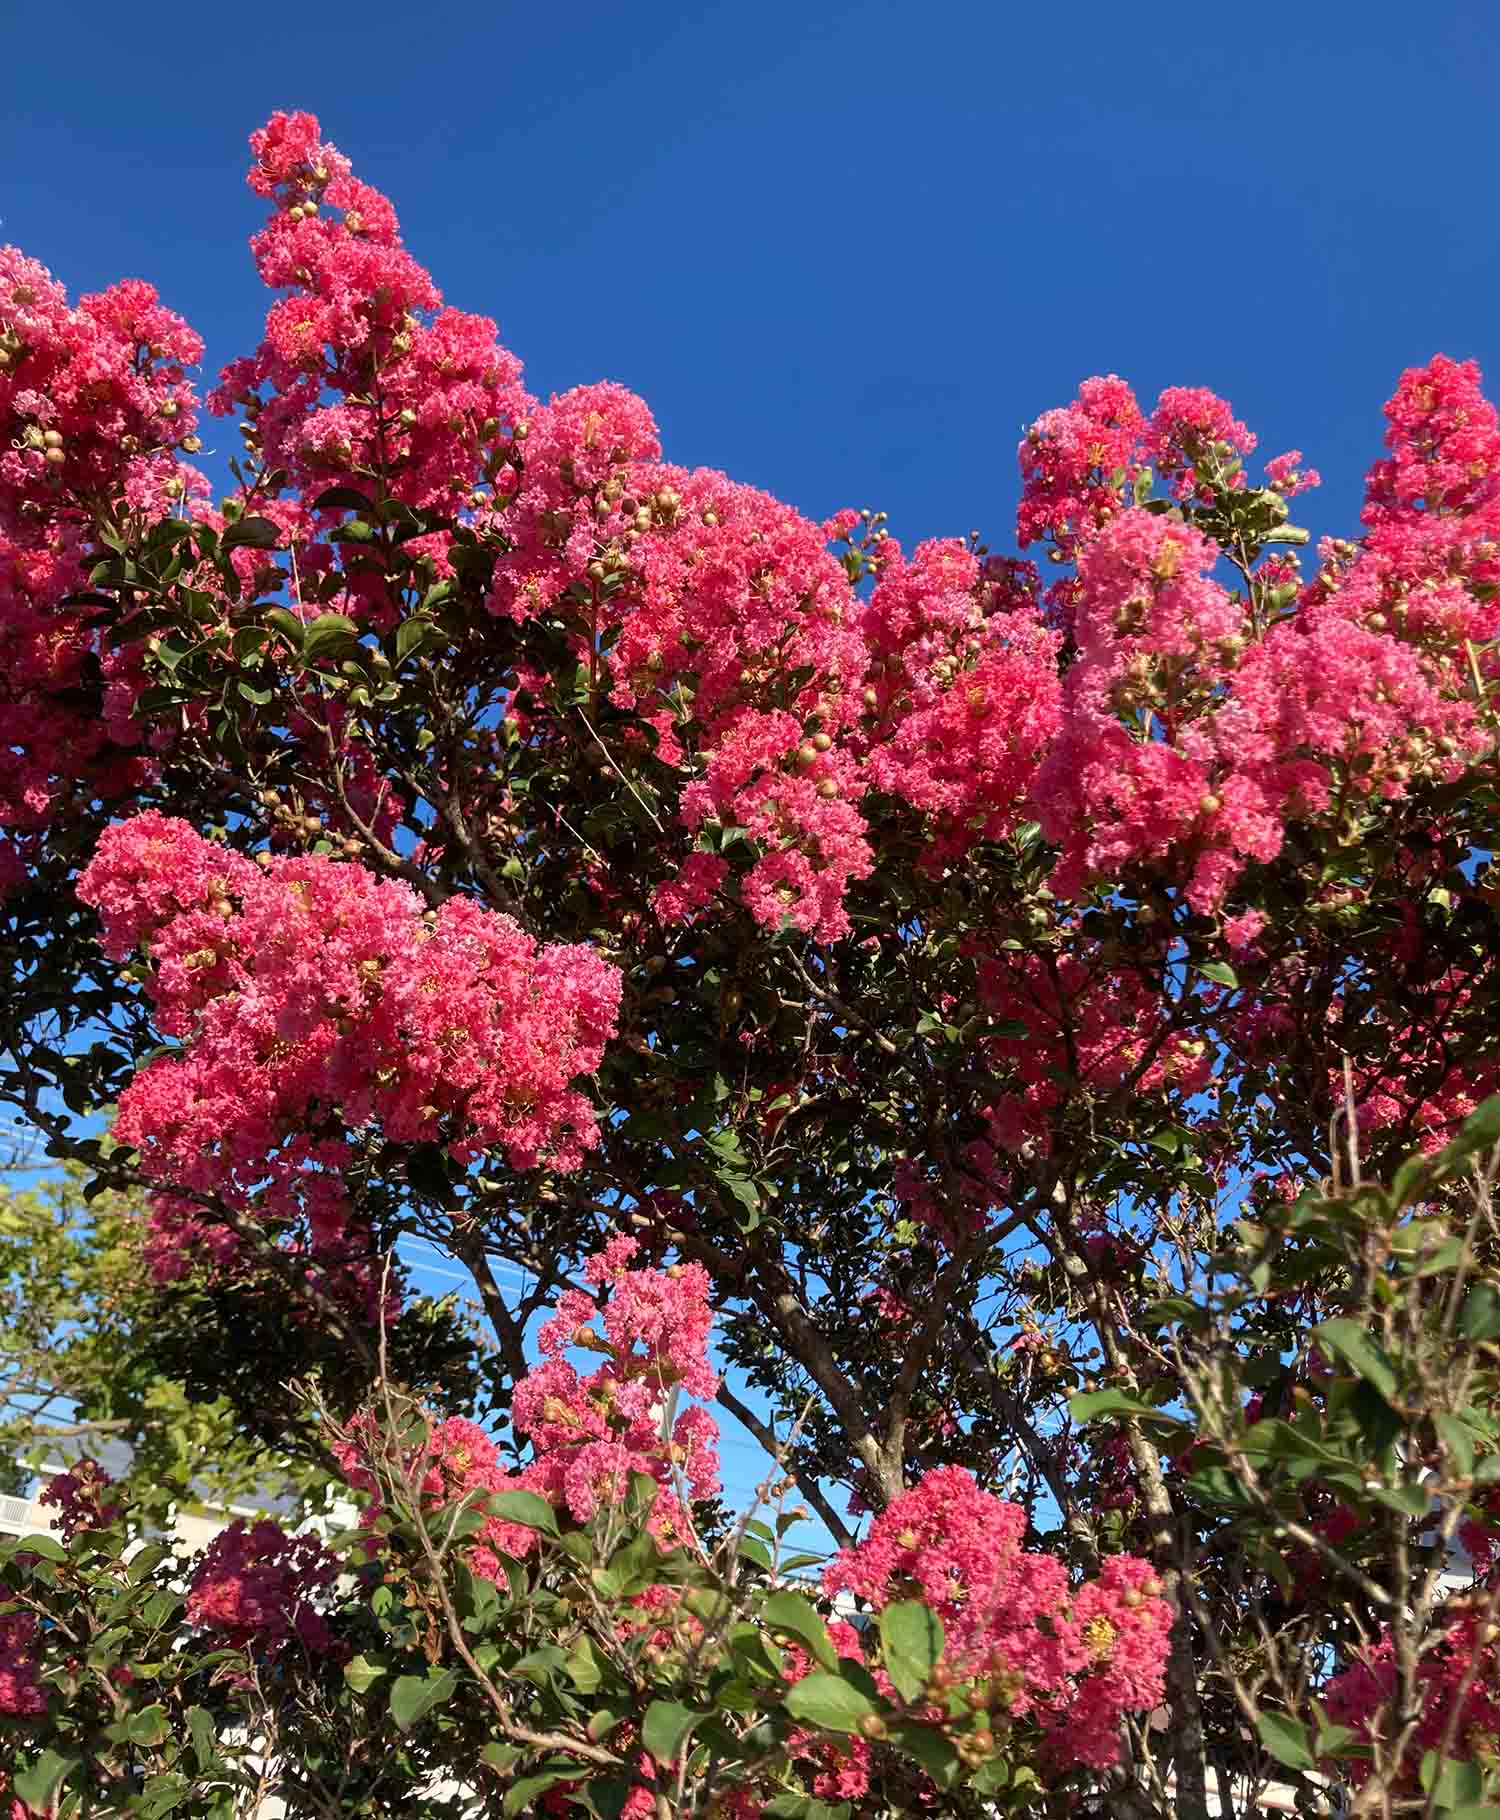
[[845, 251]]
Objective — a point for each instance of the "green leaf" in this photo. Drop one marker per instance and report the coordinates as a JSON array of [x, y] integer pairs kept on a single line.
[[740, 1188], [1408, 1178], [1286, 1740], [149, 1725], [828, 1701], [415, 1695], [205, 1736], [256, 533], [1170, 1308], [48, 1547], [481, 1602], [1479, 1131], [1348, 1341], [362, 1673], [525, 1508], [1218, 1485], [520, 1794], [538, 1666], [36, 1786], [930, 1748], [1459, 1442], [1446, 1257], [161, 1794], [248, 640], [583, 1667], [341, 499], [911, 1643], [665, 1728], [1480, 1319], [1408, 1500], [1450, 1782], [605, 1797], [1088, 1405], [1379, 1424], [1221, 973], [411, 635], [790, 1612], [287, 624], [327, 633]]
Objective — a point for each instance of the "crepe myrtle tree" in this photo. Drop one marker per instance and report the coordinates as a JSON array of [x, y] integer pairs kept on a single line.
[[1018, 1042]]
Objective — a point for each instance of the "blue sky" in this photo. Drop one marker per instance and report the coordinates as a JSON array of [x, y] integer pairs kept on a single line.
[[845, 251]]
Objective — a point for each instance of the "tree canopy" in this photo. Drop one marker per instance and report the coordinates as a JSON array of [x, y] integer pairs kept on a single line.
[[1019, 1041]]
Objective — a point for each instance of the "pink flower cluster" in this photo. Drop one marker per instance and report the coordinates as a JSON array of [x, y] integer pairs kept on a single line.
[[1185, 427], [1444, 442], [79, 1495], [720, 594], [257, 1587], [704, 596], [456, 1461], [1196, 725], [312, 997], [1072, 1660], [94, 407], [1155, 638], [1076, 463], [361, 372], [20, 1692], [963, 689], [1363, 1697], [1193, 728], [588, 1434]]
